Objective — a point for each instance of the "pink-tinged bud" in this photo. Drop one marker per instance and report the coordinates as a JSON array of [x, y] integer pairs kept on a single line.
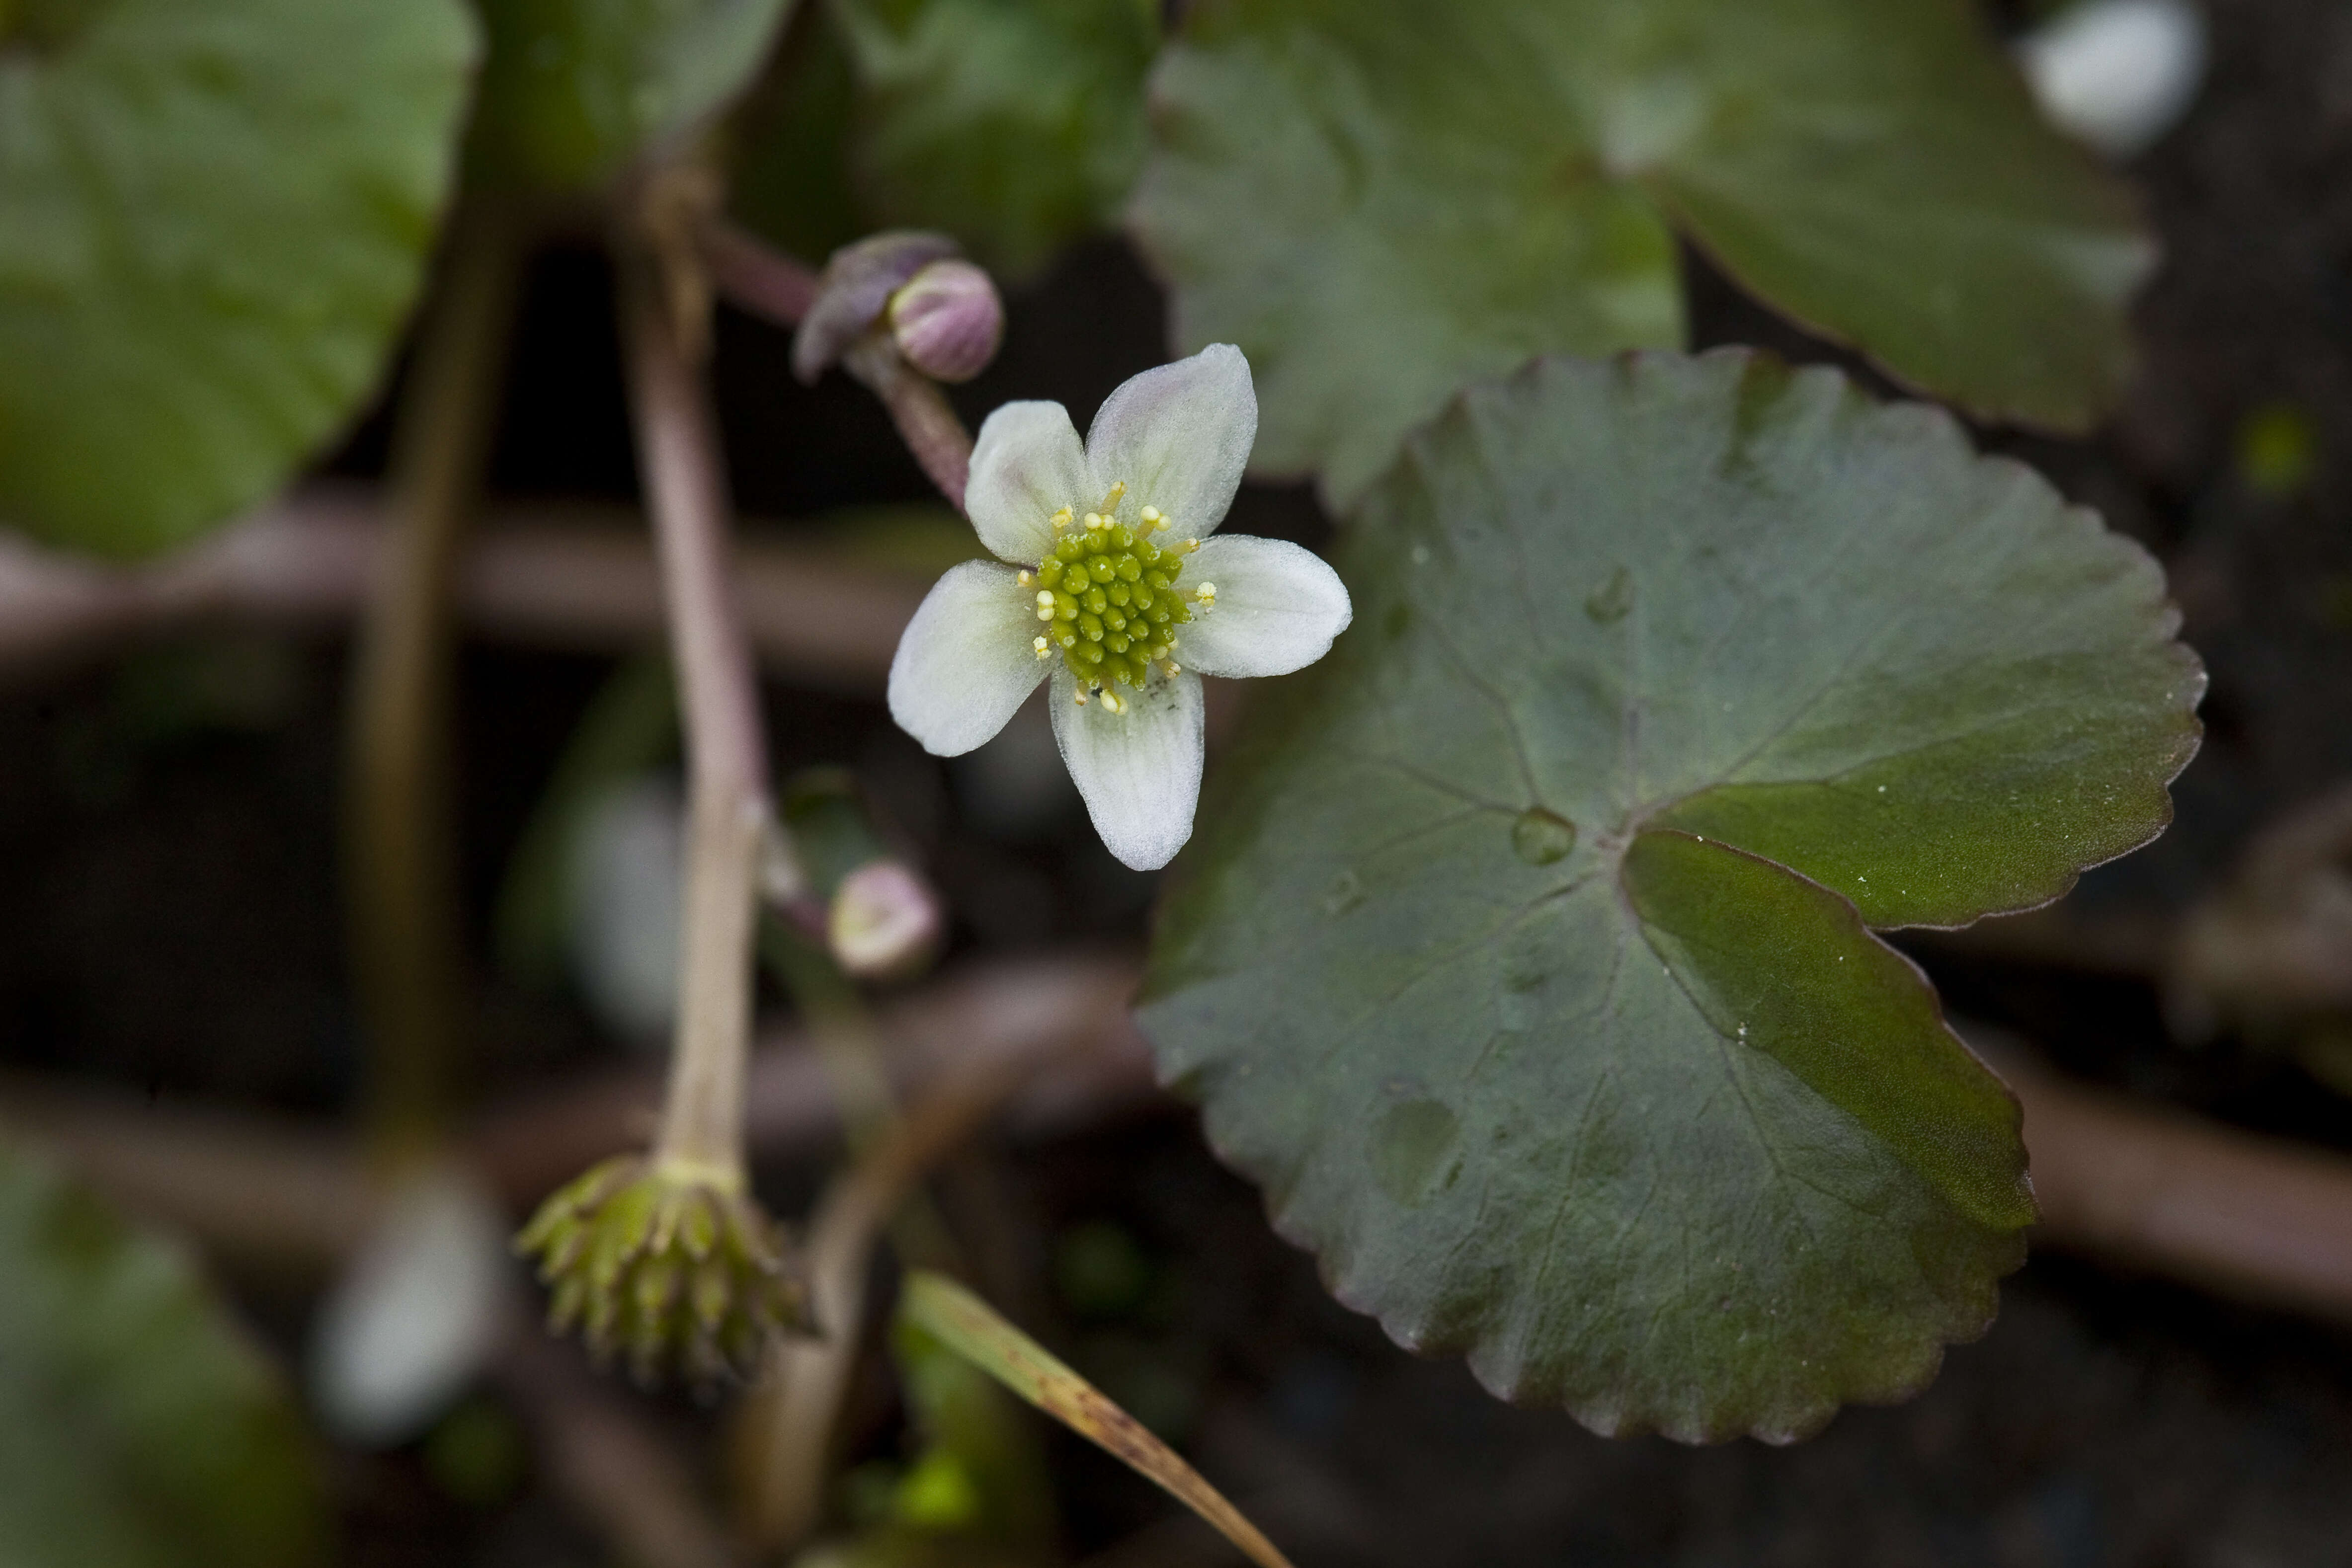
[[948, 320], [885, 923], [854, 291]]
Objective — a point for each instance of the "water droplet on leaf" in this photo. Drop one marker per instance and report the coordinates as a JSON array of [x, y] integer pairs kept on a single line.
[[1540, 837]]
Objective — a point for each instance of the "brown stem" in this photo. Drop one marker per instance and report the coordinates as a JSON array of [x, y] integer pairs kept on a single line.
[[570, 576], [755, 278], [926, 423], [727, 812], [787, 1429], [400, 873]]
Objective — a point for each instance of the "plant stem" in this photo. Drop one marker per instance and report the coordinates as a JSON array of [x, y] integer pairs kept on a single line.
[[926, 420], [727, 812], [754, 276], [400, 872]]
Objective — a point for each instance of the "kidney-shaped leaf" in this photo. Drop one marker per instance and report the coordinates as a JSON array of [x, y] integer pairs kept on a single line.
[[1522, 951], [138, 1429], [576, 88], [212, 214], [1382, 202]]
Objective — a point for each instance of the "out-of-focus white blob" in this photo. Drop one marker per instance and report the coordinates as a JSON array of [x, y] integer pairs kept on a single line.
[[2117, 74], [416, 1313], [622, 872]]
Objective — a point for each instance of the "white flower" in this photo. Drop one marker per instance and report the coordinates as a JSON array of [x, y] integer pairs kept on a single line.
[[1122, 594]]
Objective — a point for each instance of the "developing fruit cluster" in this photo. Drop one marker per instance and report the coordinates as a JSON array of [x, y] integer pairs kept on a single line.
[[1109, 597], [667, 1264]]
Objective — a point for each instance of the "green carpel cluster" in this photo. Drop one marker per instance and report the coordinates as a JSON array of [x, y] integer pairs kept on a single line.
[[1109, 596], [667, 1263]]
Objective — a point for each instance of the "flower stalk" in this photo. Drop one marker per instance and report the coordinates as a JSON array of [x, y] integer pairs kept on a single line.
[[926, 423], [668, 1255], [729, 818]]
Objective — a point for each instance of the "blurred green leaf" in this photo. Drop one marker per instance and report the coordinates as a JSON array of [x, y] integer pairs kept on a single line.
[[213, 216], [574, 89], [138, 1429], [1522, 952], [1016, 125], [1382, 202], [789, 179]]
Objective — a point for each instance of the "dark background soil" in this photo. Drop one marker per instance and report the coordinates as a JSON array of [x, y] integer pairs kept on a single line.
[[169, 920]]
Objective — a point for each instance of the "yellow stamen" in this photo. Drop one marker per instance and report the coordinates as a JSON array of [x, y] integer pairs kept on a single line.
[[1060, 520], [1039, 643], [1111, 501], [1025, 580]]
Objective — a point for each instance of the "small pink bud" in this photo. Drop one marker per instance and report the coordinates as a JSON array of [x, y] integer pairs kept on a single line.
[[885, 923], [948, 320], [854, 291]]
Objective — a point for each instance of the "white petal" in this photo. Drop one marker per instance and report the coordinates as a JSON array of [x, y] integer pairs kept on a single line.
[[1139, 770], [1278, 608], [1026, 466], [1178, 438], [966, 660]]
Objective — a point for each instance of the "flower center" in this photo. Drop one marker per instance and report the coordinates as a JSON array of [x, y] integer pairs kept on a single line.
[[1109, 599]]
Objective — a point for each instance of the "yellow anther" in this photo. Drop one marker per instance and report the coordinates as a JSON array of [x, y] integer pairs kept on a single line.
[[1113, 702], [1041, 646], [1171, 668], [1191, 545], [1060, 520], [1111, 501], [1026, 580], [1206, 593], [1097, 520], [1079, 697], [1044, 597]]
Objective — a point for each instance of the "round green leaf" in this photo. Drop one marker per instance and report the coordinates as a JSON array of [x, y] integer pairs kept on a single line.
[[1382, 202], [138, 1429], [1016, 125], [1517, 952], [213, 214], [574, 89]]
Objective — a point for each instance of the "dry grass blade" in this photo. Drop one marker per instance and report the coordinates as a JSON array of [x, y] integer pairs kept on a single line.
[[972, 1328]]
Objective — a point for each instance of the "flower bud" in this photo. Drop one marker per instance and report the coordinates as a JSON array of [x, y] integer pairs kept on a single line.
[[885, 922], [854, 291], [948, 320]]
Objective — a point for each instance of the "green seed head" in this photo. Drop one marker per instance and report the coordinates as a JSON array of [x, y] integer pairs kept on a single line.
[[1108, 597], [672, 1263]]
